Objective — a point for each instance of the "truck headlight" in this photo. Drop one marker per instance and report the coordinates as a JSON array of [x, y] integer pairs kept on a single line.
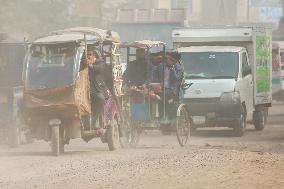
[[230, 97]]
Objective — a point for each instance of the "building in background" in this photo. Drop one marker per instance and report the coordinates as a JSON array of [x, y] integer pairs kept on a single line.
[[265, 10], [151, 19], [212, 12]]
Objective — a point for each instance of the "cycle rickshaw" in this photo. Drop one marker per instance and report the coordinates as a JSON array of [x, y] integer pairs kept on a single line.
[[145, 106], [57, 104]]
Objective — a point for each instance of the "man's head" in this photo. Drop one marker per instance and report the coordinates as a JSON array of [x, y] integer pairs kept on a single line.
[[92, 56], [171, 61], [157, 58], [173, 58]]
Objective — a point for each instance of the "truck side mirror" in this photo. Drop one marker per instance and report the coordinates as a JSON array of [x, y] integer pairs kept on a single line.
[[247, 71]]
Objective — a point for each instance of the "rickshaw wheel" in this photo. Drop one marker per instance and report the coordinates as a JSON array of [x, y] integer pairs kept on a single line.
[[55, 140], [113, 135], [124, 134], [124, 129], [183, 124], [129, 134], [134, 135]]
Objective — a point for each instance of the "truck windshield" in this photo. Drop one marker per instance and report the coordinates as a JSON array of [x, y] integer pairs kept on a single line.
[[210, 65], [50, 66]]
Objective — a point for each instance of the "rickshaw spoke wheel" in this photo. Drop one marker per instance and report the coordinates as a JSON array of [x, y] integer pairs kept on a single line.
[[132, 135], [183, 127], [125, 132]]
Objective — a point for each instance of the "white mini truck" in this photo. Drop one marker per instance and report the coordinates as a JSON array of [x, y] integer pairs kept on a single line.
[[230, 68]]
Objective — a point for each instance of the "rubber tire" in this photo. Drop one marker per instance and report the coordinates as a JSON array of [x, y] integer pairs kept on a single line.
[[61, 141], [259, 120], [13, 136], [55, 140], [240, 127], [266, 113], [112, 135]]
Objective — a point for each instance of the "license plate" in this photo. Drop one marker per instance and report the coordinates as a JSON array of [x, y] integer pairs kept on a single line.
[[211, 115], [199, 120]]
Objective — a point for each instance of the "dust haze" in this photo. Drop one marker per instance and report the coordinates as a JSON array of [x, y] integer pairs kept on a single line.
[[231, 94]]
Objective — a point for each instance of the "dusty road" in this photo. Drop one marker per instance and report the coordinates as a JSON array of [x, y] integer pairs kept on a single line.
[[213, 159]]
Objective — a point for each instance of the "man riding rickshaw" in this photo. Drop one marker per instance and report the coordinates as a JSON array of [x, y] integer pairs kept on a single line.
[[154, 85]]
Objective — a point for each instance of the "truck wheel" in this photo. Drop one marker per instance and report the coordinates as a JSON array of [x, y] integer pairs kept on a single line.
[[259, 120], [240, 126], [266, 113], [13, 136], [55, 140], [113, 136]]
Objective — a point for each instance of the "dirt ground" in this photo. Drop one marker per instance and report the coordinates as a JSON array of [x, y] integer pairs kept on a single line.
[[212, 159]]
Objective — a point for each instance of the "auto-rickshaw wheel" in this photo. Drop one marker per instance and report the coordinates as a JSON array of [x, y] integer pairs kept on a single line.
[[183, 124], [113, 135], [61, 140], [56, 142]]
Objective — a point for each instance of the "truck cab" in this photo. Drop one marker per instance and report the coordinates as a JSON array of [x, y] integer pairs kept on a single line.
[[222, 84], [230, 69]]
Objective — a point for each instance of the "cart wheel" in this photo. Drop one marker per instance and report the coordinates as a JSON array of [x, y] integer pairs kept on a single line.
[[183, 125], [129, 133], [113, 135], [55, 140]]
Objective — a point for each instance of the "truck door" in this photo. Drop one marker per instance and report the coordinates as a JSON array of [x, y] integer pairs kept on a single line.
[[247, 82]]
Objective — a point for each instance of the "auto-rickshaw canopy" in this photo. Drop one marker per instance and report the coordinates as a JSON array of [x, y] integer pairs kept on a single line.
[[78, 34], [144, 44]]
